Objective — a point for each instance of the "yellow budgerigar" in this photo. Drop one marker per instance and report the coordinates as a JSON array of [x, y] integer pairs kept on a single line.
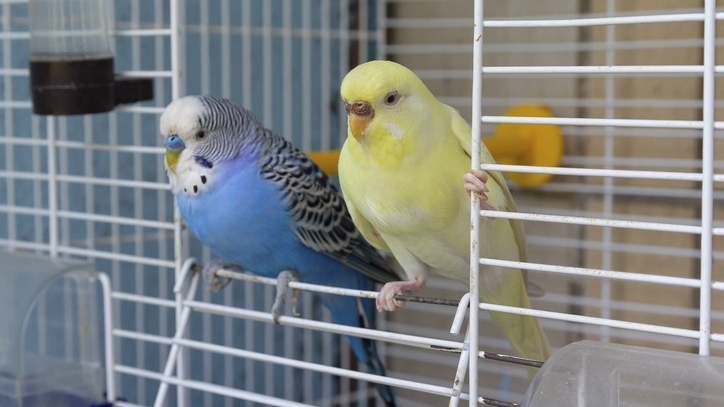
[[405, 175]]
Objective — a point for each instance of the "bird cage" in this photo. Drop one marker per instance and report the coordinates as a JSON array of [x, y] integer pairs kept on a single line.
[[623, 228]]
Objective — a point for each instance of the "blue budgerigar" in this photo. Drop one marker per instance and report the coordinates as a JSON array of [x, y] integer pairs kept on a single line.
[[260, 203]]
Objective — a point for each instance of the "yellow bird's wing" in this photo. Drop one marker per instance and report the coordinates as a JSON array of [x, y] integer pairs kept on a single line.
[[463, 132], [365, 227]]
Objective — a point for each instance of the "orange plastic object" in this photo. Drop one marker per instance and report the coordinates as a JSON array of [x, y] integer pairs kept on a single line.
[[326, 160], [527, 144]]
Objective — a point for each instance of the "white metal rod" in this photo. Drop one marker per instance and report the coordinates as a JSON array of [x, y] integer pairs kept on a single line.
[[298, 284], [173, 354], [306, 69], [114, 255], [14, 72], [686, 333], [548, 47], [590, 272], [115, 219], [208, 387], [460, 312], [575, 243], [595, 172], [161, 186], [188, 266], [17, 104], [600, 69], [176, 33], [661, 227], [268, 79], [126, 404], [149, 32], [226, 65], [11, 243], [575, 121], [17, 35], [638, 191], [411, 340], [363, 33], [246, 354], [382, 47], [140, 336], [121, 148], [143, 299], [140, 109], [85, 180], [226, 350], [622, 305], [175, 26], [592, 102], [587, 22], [477, 111], [204, 51], [246, 55], [108, 335], [535, 72], [707, 185], [460, 372], [145, 74], [24, 210], [428, 23], [583, 160], [312, 33], [52, 188]]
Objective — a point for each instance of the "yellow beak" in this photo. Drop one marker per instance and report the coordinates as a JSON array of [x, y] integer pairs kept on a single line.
[[359, 114], [358, 124], [172, 157]]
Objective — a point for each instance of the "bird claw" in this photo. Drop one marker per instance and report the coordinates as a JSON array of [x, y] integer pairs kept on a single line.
[[386, 300], [474, 182], [213, 281], [283, 280]]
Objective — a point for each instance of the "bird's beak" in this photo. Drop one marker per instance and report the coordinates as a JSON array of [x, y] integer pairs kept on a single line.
[[174, 147], [359, 115]]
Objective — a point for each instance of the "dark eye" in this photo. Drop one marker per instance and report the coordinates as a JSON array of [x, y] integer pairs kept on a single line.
[[200, 135], [392, 98]]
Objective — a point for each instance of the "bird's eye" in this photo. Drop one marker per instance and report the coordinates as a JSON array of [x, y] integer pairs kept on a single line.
[[392, 98], [200, 135]]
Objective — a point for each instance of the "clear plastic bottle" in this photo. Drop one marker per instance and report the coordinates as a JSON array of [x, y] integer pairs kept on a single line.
[[71, 62], [69, 30]]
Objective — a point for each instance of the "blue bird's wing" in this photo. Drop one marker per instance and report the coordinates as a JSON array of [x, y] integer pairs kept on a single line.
[[321, 219]]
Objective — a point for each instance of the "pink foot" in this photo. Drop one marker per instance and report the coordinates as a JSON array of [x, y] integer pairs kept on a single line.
[[474, 182], [386, 299]]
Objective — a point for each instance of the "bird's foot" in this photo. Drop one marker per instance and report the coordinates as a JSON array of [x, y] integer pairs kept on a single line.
[[213, 281], [474, 182], [283, 280], [386, 299]]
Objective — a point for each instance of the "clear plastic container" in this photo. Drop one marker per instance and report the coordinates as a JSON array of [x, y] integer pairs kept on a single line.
[[69, 30], [49, 337], [596, 374]]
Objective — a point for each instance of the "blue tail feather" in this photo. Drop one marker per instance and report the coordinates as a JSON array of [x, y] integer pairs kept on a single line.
[[346, 311]]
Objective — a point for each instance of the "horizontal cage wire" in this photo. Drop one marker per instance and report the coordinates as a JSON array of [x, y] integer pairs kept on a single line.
[[624, 237]]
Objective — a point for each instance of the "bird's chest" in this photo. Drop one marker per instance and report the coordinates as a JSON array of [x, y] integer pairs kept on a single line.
[[411, 201], [236, 213]]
